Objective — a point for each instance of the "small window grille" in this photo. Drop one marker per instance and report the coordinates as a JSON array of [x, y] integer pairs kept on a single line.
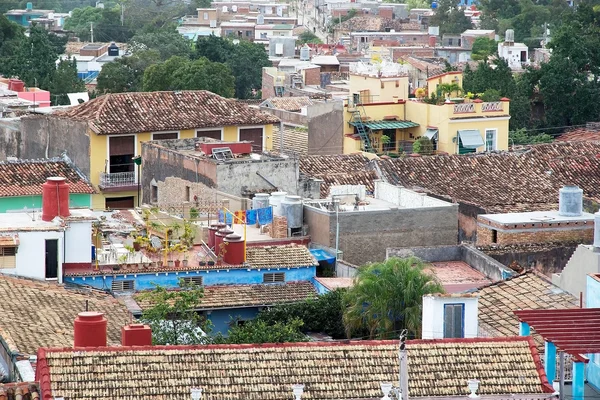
[[194, 280], [122, 286], [274, 277]]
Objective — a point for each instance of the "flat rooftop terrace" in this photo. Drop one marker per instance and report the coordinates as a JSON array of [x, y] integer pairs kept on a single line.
[[535, 216]]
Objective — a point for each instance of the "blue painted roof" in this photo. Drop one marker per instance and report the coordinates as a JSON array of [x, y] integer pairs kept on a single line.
[[322, 255]]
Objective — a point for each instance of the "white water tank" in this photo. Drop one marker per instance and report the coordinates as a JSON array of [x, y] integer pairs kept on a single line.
[[570, 201], [305, 53], [260, 19], [291, 207], [597, 230], [260, 200], [275, 202], [509, 35]]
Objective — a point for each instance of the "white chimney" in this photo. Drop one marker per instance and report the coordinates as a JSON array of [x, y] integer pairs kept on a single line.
[[196, 393], [298, 390], [451, 315], [570, 201], [473, 387]]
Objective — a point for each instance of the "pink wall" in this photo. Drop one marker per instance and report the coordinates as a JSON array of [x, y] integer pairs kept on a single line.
[[41, 97]]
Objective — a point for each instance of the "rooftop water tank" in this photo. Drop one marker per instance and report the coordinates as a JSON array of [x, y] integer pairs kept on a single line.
[[219, 236], [29, 6], [260, 200], [55, 198], [113, 50], [89, 329], [235, 249], [570, 201], [275, 202], [291, 207], [509, 35], [305, 53], [434, 5], [212, 230]]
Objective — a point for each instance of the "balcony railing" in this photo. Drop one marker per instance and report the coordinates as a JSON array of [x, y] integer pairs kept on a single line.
[[468, 108], [117, 179], [491, 106], [464, 108]]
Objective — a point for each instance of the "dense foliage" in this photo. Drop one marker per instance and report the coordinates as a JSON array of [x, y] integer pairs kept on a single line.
[[258, 331], [387, 297], [450, 18]]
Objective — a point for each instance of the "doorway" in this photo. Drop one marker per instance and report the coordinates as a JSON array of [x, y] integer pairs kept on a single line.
[[51, 258]]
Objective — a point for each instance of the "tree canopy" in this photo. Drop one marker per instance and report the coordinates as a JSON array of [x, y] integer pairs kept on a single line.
[[387, 297], [168, 43], [450, 18], [483, 47]]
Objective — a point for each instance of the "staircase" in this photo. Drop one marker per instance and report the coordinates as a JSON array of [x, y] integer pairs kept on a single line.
[[363, 131]]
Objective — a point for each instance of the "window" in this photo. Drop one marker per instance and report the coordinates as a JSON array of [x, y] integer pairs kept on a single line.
[[120, 153], [273, 277], [154, 194], [391, 134], [494, 236], [210, 133], [122, 286], [194, 280], [119, 203], [453, 321], [490, 139], [8, 257], [254, 135], [165, 136], [205, 16], [188, 193]]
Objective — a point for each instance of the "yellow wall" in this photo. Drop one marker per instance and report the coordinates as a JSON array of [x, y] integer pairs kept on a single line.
[[389, 91], [375, 112], [433, 83]]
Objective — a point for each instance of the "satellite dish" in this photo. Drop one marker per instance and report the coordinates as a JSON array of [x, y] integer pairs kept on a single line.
[[156, 242]]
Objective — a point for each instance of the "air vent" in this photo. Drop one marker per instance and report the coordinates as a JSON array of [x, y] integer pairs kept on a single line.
[[274, 277], [193, 280], [122, 286]]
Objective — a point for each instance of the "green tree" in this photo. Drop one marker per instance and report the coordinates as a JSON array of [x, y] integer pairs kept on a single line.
[[387, 297], [257, 331], [168, 43], [126, 74], [178, 73], [450, 18], [321, 314], [309, 37], [65, 81], [417, 4], [81, 19], [523, 137], [423, 145], [171, 315], [245, 59], [12, 39], [483, 48]]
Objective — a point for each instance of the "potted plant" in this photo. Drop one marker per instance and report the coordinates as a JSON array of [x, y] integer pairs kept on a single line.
[[146, 214], [185, 259]]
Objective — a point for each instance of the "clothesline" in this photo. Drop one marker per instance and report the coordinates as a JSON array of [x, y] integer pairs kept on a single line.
[[263, 216]]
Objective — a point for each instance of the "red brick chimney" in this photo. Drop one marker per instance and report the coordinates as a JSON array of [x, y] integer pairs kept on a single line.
[[136, 335]]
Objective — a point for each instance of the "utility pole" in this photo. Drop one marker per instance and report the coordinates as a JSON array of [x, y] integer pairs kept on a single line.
[[92, 31], [122, 17], [403, 366]]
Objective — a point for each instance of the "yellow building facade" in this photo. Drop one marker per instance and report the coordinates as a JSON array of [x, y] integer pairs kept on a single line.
[[378, 108]]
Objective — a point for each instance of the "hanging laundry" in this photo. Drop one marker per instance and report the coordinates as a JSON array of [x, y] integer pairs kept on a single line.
[[226, 217], [251, 216], [265, 215], [240, 217]]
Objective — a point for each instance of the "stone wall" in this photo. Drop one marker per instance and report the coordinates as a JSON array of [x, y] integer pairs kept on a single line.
[[268, 85], [485, 235], [548, 258], [325, 128], [10, 138], [237, 177]]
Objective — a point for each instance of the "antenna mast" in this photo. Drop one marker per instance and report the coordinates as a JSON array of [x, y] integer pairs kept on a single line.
[[403, 374]]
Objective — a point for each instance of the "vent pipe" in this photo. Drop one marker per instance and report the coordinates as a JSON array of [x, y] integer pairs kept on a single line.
[[570, 201]]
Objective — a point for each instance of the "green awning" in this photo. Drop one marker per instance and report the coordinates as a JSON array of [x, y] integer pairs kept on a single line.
[[431, 133], [379, 125], [470, 138]]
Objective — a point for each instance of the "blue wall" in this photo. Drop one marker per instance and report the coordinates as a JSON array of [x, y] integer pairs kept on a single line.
[[169, 280], [592, 300], [222, 318], [320, 288]]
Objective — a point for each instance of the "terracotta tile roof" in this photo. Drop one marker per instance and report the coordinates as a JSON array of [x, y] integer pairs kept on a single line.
[[289, 103], [291, 255], [25, 177], [350, 370], [431, 66], [529, 290], [231, 296], [343, 169], [53, 309], [506, 181], [295, 140], [19, 390], [163, 111], [580, 135]]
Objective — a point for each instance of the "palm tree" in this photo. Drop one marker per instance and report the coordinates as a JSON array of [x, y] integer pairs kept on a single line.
[[448, 89], [387, 297]]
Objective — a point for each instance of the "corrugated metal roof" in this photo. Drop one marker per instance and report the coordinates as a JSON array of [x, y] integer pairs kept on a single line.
[[378, 125]]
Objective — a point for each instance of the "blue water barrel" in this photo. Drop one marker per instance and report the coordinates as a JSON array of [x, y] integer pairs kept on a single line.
[[93, 253]]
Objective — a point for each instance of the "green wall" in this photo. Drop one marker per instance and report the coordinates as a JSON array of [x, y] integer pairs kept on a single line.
[[19, 203]]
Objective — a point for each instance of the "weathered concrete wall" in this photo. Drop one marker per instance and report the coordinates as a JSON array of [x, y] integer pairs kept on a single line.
[[467, 222], [46, 137], [287, 116], [547, 258], [573, 277], [365, 236], [325, 128], [491, 268], [237, 177], [10, 138]]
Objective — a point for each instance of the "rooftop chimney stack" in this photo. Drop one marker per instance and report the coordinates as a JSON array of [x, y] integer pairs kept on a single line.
[[136, 335], [90, 329], [55, 198], [570, 201]]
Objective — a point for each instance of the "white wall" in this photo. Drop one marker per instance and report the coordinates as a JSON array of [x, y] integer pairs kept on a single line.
[[78, 242], [433, 315], [405, 198], [31, 254]]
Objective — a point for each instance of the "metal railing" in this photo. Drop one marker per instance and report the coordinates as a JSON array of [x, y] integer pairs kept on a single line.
[[117, 179]]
